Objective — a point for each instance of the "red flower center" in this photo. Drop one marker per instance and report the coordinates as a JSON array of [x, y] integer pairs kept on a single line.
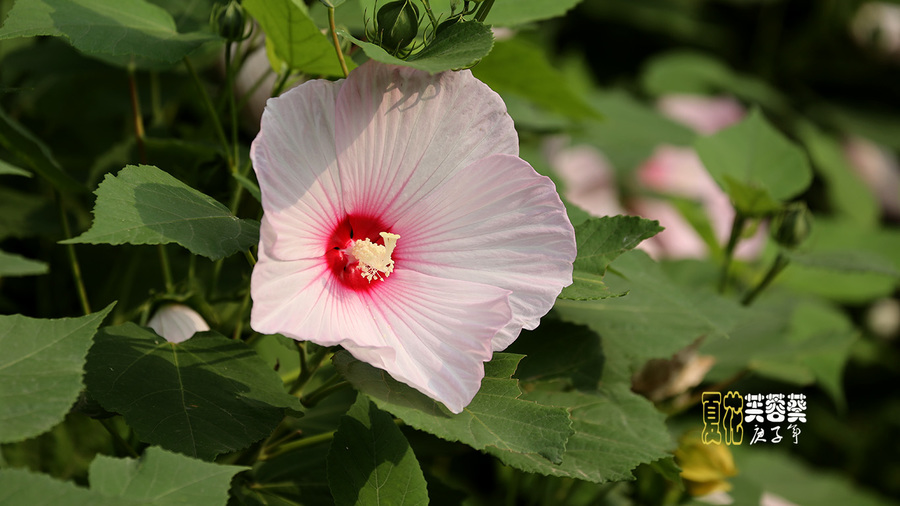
[[343, 265]]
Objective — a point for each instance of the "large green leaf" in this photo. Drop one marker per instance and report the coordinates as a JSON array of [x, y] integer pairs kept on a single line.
[[163, 479], [295, 38], [578, 364], [657, 317], [144, 205], [202, 397], [600, 241], [518, 12], [756, 165], [21, 487], [17, 265], [457, 46], [615, 431], [519, 68], [496, 417], [116, 29], [370, 461], [40, 370]]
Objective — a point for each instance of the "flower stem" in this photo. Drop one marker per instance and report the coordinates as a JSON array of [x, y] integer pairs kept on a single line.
[[118, 438], [138, 118], [332, 385], [337, 43], [250, 257], [211, 110], [230, 72], [781, 261], [73, 261], [484, 10], [166, 270], [307, 441], [737, 227], [428, 10]]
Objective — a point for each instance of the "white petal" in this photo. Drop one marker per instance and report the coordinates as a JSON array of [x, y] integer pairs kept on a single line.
[[499, 223], [401, 132], [295, 162], [177, 322]]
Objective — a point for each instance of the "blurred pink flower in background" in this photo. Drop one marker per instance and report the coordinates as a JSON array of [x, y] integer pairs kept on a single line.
[[879, 169], [670, 171], [177, 322], [400, 223]]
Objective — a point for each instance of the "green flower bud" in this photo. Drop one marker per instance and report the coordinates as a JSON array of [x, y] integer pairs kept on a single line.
[[228, 21], [792, 225], [397, 24]]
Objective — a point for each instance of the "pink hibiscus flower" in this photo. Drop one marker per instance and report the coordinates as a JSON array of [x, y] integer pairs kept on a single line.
[[401, 224]]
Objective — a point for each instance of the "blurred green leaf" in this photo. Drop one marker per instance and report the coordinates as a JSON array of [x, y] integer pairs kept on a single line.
[[780, 474], [10, 169], [657, 318], [370, 461], [111, 28], [700, 74], [295, 38], [33, 153], [202, 397], [846, 191], [21, 487], [332, 3], [144, 205], [630, 130], [615, 431], [756, 165], [846, 261], [600, 241], [518, 12], [519, 68], [40, 370], [17, 265], [162, 478], [496, 417], [457, 46]]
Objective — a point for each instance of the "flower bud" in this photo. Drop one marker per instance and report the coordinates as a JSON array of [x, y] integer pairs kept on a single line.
[[228, 21], [397, 24], [704, 467], [792, 225]]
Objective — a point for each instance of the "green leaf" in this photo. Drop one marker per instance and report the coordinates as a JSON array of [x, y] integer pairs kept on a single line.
[[457, 46], [202, 397], [579, 363], [295, 38], [756, 165], [40, 370], [370, 461], [699, 74], [518, 68], [518, 12], [10, 169], [656, 318], [615, 431], [21, 487], [33, 153], [496, 417], [144, 205], [600, 241], [846, 191], [846, 261], [117, 29], [162, 478], [17, 265]]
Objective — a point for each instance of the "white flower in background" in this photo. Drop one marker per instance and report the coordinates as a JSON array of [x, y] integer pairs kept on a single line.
[[177, 322]]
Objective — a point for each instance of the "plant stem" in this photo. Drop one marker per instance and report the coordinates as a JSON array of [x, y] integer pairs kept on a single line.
[[73, 261], [307, 441], [118, 438], [781, 261], [332, 385], [211, 110], [230, 72], [737, 227], [166, 270], [428, 10], [138, 118], [250, 257], [337, 43], [484, 10]]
